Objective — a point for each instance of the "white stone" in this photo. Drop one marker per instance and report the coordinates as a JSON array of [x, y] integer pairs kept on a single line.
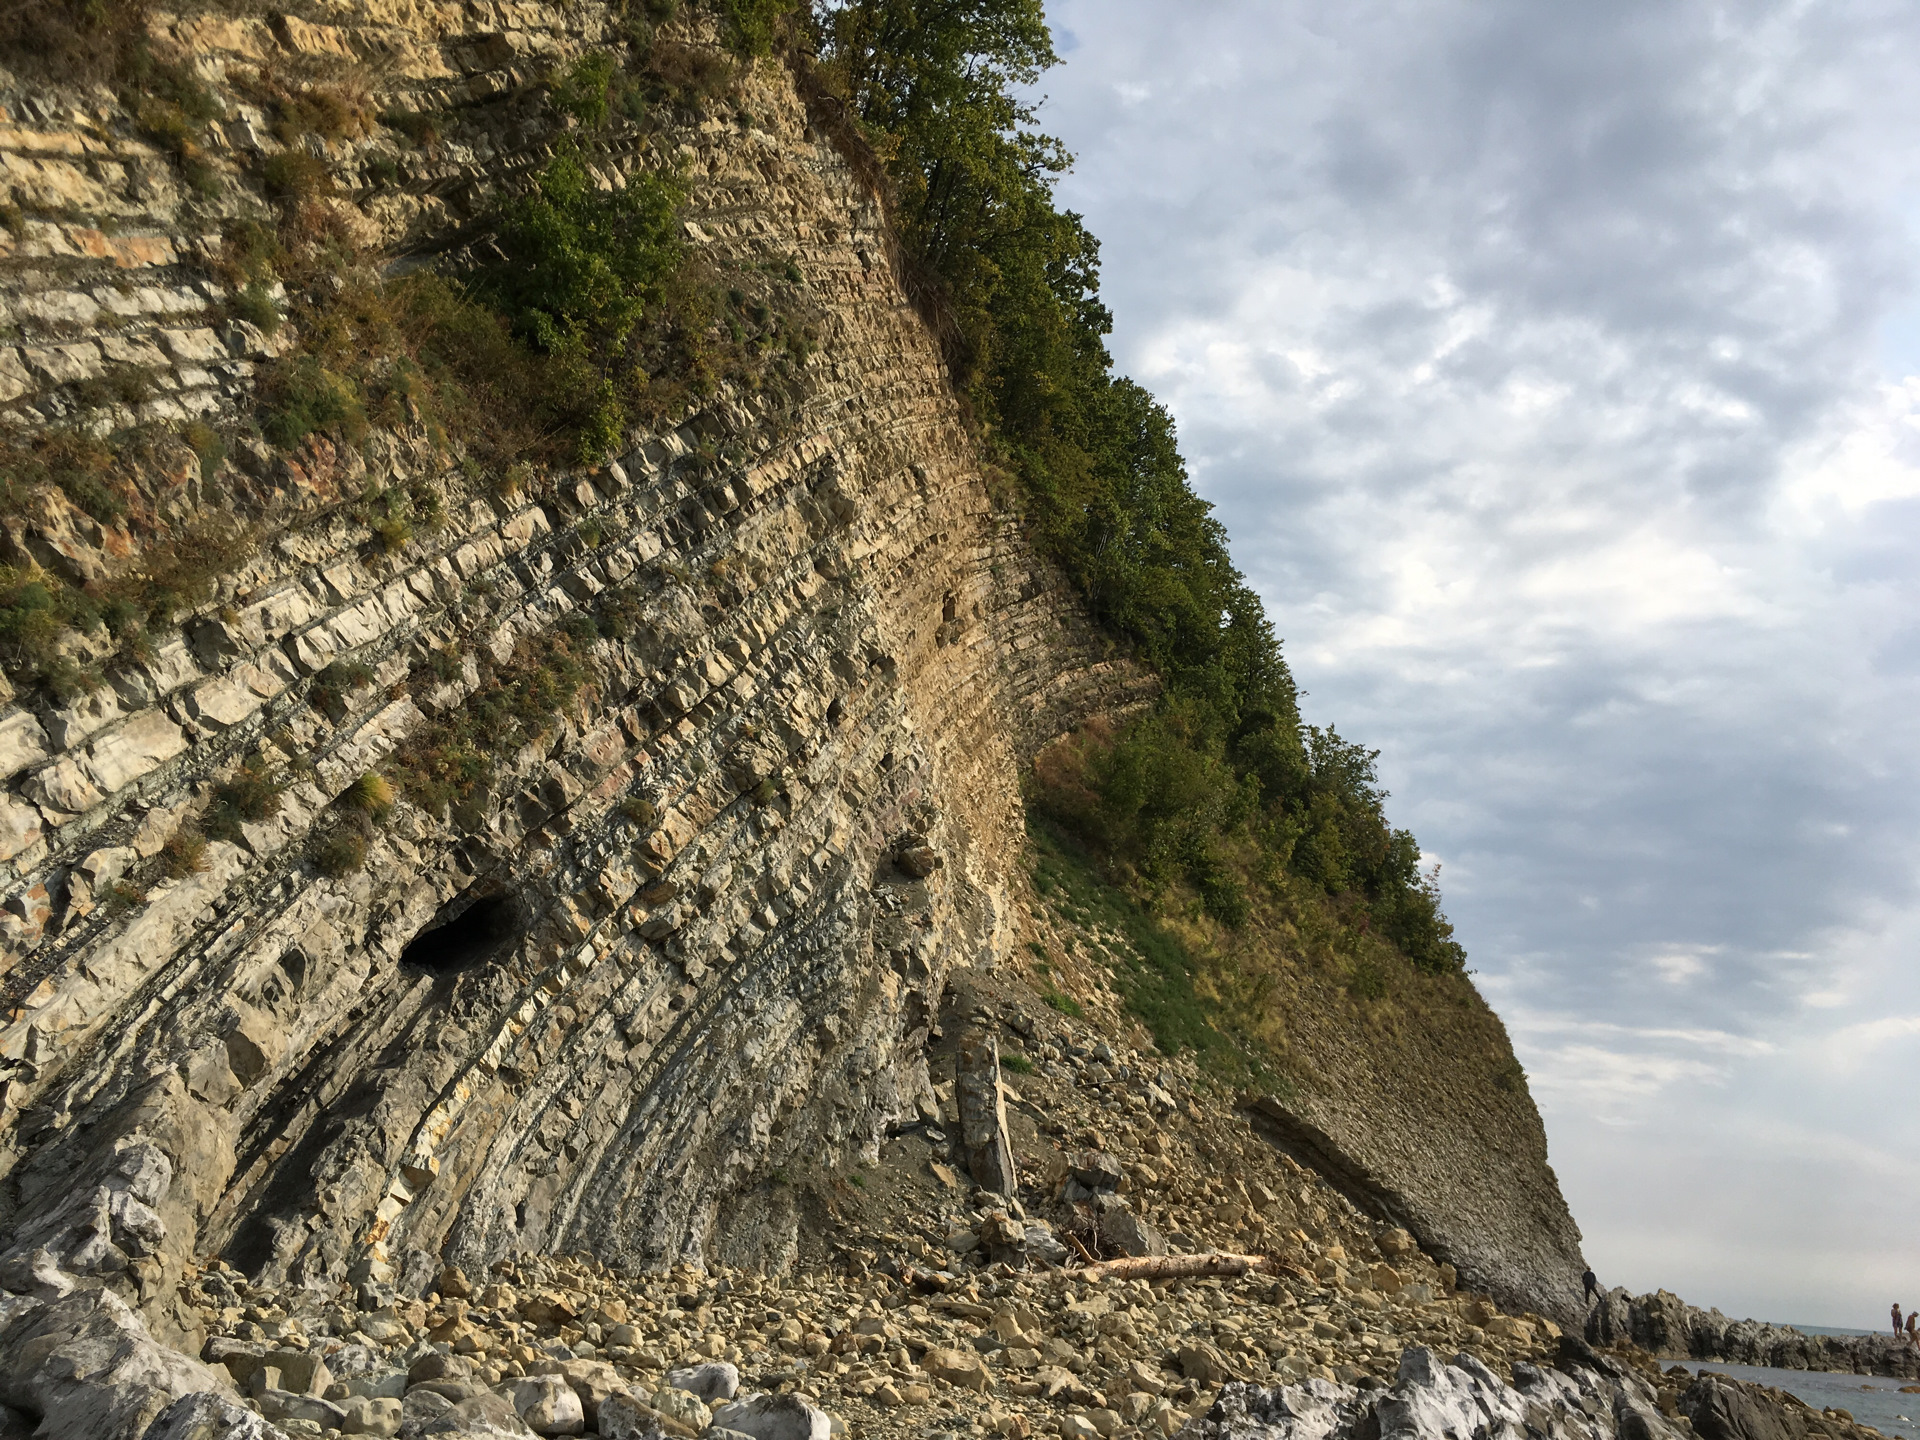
[[20, 826], [23, 742], [548, 1405], [63, 786], [197, 347], [224, 701], [14, 379], [775, 1417], [140, 746]]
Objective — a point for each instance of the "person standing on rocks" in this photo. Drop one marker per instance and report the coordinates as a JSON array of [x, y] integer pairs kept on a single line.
[[1592, 1284], [1896, 1319], [1913, 1335]]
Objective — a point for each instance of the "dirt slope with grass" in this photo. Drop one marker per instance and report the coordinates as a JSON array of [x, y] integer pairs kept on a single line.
[[1397, 1085]]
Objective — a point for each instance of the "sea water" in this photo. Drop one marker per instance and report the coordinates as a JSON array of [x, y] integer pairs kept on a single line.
[[1871, 1399]]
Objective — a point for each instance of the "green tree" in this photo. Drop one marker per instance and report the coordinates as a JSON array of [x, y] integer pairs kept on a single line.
[[1009, 282], [581, 267]]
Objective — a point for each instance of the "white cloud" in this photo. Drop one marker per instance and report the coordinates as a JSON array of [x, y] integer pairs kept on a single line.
[[1532, 355]]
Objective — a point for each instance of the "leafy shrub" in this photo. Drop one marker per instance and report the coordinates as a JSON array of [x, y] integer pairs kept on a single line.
[[250, 252], [166, 126], [256, 307], [36, 614], [580, 629], [749, 27], [305, 398], [338, 852], [296, 175], [1367, 982], [1065, 1004], [584, 90], [1018, 1064], [641, 812], [582, 267], [335, 683], [253, 794]]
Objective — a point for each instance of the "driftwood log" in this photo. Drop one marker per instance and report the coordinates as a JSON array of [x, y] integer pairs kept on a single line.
[[1183, 1267]]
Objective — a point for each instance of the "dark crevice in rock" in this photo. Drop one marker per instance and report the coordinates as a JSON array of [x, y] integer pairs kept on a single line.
[[465, 938]]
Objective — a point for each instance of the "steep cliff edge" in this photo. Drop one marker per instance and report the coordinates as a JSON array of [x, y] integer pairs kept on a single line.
[[546, 1022], [485, 863]]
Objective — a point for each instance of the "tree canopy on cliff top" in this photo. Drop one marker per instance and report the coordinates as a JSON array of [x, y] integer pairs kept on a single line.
[[1010, 282]]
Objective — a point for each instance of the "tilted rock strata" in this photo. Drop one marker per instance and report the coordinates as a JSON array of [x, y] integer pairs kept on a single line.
[[1378, 1132], [655, 1015], [558, 1020]]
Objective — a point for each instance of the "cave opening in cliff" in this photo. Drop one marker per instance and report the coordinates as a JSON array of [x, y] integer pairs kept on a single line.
[[464, 939]]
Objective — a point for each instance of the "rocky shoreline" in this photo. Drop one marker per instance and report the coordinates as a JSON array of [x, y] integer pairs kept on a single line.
[[923, 1306], [1583, 1396], [1665, 1325]]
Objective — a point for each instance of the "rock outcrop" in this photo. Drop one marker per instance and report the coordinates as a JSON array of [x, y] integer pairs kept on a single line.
[[674, 948], [1664, 1324], [1583, 1396], [1378, 1137]]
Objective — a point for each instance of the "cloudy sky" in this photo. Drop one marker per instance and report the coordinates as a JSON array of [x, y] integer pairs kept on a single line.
[[1556, 370]]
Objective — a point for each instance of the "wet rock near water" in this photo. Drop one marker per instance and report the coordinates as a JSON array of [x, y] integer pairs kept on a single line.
[[1583, 1395], [1665, 1325]]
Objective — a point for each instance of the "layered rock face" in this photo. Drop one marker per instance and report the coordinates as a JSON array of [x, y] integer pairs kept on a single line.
[[551, 1022], [690, 938], [1372, 1125]]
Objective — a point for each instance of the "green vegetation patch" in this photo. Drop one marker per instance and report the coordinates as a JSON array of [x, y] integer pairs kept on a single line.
[[1153, 970], [251, 795], [1222, 779], [447, 767], [57, 632]]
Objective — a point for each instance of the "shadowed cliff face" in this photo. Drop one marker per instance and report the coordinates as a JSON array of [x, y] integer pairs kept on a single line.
[[691, 932]]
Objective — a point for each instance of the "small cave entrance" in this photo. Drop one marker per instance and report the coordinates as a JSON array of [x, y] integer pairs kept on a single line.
[[465, 937]]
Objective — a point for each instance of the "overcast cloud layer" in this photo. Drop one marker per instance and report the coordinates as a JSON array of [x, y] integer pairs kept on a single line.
[[1549, 365]]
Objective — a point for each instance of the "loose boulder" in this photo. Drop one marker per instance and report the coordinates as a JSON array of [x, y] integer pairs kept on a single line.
[[708, 1383], [775, 1417], [547, 1405]]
